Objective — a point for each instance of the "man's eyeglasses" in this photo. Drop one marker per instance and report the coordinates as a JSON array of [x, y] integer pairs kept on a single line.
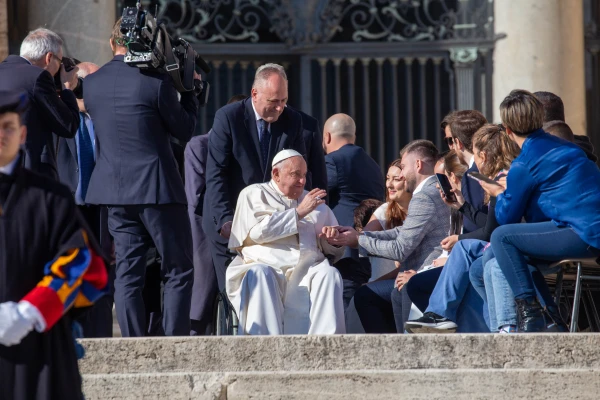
[[60, 60], [449, 141]]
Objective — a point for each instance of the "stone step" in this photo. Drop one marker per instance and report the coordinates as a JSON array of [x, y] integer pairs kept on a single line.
[[447, 384], [340, 353]]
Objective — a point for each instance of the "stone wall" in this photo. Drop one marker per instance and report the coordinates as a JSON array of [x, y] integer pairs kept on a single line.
[[84, 25], [3, 29]]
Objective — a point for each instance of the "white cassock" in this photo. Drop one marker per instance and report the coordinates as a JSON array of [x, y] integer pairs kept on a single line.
[[281, 281]]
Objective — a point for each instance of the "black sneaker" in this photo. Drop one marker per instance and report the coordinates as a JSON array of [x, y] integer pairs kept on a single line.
[[430, 323]]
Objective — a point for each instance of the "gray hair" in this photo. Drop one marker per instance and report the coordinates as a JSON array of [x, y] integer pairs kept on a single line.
[[265, 71], [40, 42]]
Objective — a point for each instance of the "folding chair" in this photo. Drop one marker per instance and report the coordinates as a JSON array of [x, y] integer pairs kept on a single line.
[[578, 271]]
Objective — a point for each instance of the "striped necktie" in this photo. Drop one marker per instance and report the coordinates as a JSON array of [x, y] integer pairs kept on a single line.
[[265, 139], [86, 156]]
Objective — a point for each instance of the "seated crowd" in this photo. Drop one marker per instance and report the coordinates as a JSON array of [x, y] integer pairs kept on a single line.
[[471, 258]]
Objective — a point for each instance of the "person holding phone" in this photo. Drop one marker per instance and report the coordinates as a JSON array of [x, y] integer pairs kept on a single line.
[[556, 176], [451, 299]]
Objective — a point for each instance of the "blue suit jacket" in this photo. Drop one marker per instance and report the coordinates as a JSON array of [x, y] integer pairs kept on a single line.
[[353, 176], [473, 194], [134, 111], [558, 176], [47, 112], [315, 156], [195, 156], [234, 159]]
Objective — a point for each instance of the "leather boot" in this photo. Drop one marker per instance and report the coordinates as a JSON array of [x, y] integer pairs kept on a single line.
[[555, 323], [530, 316]]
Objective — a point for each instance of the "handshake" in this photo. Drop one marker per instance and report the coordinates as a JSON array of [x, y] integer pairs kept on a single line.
[[340, 236]]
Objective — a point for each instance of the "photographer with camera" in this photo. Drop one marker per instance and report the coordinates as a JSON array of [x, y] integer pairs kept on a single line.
[[32, 72], [135, 110]]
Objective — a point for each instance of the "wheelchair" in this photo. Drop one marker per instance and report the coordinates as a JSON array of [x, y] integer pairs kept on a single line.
[[226, 320]]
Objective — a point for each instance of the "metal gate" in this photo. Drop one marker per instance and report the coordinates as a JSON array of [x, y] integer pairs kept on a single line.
[[396, 66]]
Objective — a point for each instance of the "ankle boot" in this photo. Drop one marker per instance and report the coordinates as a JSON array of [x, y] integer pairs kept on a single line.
[[530, 316], [555, 322]]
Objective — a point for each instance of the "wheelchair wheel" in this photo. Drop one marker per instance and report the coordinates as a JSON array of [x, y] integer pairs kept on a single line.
[[226, 322]]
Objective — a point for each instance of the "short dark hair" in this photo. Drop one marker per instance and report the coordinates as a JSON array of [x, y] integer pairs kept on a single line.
[[448, 119], [464, 126], [559, 129], [425, 149], [364, 211], [554, 109], [237, 97]]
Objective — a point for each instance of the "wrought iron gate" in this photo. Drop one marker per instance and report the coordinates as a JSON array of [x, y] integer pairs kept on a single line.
[[396, 66]]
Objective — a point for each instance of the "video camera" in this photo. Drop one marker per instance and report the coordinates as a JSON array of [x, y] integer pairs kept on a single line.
[[150, 46]]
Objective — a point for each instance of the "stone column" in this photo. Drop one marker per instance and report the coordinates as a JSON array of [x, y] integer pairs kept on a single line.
[[3, 29], [543, 50], [84, 25]]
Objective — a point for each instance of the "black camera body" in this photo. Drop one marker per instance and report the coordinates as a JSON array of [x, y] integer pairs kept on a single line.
[[150, 46]]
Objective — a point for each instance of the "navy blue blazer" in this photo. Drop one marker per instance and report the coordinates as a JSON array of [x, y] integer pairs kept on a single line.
[[48, 113], [315, 156], [134, 112], [353, 176], [474, 195], [234, 159], [195, 156]]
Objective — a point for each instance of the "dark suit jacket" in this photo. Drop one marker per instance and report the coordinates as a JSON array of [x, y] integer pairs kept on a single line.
[[315, 156], [134, 111], [234, 160], [353, 176], [473, 194], [195, 156], [47, 112]]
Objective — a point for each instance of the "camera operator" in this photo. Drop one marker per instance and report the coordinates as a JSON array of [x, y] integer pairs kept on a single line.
[[134, 113], [33, 72]]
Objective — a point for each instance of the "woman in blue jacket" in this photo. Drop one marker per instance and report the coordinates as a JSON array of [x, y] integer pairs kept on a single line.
[[558, 177]]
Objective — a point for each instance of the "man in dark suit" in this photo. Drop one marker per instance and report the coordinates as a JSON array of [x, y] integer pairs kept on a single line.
[[352, 177], [134, 111], [463, 126], [315, 157], [75, 160], [245, 137], [33, 72]]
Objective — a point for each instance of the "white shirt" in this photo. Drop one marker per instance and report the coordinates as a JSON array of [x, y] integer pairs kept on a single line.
[[420, 187], [258, 118], [471, 161], [10, 167]]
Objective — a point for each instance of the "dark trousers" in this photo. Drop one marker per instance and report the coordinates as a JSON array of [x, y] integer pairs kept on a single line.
[[205, 287], [515, 244], [135, 229], [97, 322], [420, 287], [221, 257], [381, 307]]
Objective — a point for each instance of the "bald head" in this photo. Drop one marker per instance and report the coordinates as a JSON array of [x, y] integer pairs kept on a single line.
[[86, 68], [338, 131]]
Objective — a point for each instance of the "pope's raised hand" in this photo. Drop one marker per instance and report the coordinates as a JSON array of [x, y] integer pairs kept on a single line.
[[312, 200]]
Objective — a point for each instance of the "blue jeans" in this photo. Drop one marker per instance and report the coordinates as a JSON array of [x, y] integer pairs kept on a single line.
[[453, 296], [513, 244], [500, 297]]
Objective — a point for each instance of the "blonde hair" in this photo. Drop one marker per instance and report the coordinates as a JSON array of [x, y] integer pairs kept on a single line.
[[522, 112]]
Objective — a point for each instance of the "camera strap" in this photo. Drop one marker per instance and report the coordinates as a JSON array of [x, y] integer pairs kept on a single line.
[[172, 66]]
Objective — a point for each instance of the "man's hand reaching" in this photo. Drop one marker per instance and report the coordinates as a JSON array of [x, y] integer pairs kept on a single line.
[[226, 230], [346, 236]]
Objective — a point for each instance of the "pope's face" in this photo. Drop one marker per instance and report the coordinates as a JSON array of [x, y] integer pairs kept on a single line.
[[12, 136], [290, 177]]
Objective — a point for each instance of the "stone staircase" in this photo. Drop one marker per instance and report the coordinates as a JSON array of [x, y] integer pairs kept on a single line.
[[549, 366]]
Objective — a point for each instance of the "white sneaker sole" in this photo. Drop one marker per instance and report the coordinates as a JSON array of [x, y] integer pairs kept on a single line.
[[444, 327]]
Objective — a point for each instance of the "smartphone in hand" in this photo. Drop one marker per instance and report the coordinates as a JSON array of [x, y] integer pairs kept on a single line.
[[481, 178], [446, 187]]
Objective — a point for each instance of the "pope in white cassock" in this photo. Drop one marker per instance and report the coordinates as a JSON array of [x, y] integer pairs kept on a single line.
[[282, 281]]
